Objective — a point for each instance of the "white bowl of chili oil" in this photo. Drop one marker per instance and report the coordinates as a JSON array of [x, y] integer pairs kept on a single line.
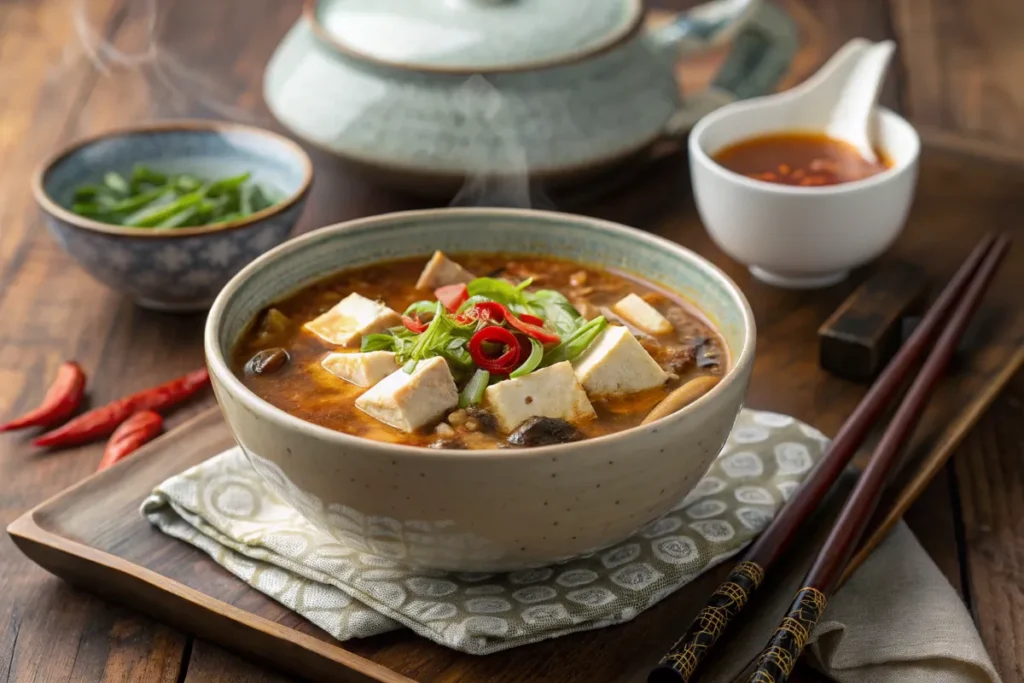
[[798, 208]]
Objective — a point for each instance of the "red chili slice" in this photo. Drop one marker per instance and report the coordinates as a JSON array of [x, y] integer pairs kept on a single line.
[[529, 325], [535, 331], [414, 326], [499, 365], [452, 296], [491, 311], [531, 319]]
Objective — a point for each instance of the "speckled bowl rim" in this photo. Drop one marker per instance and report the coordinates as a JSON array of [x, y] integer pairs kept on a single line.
[[611, 41], [188, 125], [218, 366]]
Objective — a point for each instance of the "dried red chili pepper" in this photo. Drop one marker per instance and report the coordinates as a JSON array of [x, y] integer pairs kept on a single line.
[[62, 398], [132, 433], [501, 364], [414, 325], [102, 421], [452, 296]]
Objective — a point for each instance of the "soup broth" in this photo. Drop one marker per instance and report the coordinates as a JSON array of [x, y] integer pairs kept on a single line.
[[297, 382], [800, 159]]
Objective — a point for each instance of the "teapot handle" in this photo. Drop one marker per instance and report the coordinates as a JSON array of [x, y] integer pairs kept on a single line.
[[765, 39]]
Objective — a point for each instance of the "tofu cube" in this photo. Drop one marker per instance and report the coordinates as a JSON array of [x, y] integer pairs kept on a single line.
[[351, 318], [551, 392], [616, 363], [412, 401], [361, 369], [440, 271], [643, 315]]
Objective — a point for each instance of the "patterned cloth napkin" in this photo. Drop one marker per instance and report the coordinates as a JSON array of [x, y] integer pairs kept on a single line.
[[223, 508], [351, 594]]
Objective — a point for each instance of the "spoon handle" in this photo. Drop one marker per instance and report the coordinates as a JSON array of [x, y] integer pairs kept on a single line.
[[851, 117]]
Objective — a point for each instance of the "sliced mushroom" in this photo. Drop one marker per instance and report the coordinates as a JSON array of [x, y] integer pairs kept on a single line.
[[266, 362], [544, 431], [486, 421], [683, 396]]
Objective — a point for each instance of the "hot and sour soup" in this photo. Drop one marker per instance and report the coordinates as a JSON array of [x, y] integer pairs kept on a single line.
[[537, 351]]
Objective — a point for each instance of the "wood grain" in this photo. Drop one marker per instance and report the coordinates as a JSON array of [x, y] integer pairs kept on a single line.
[[961, 62], [965, 60], [990, 478]]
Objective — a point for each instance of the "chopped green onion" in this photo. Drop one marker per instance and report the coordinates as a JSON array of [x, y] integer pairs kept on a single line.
[[187, 183], [154, 216], [116, 183], [531, 364], [140, 200], [86, 192], [228, 184], [377, 342], [245, 199], [144, 174], [179, 219], [420, 308], [153, 199], [410, 367], [473, 392]]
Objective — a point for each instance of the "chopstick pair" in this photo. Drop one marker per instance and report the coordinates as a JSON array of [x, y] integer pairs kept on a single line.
[[952, 310]]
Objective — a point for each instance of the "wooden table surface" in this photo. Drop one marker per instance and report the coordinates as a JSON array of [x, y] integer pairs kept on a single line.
[[72, 67]]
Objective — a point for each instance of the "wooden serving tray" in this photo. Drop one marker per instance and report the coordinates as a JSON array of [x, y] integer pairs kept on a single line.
[[93, 535]]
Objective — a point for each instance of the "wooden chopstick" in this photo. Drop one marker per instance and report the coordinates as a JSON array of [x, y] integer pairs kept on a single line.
[[681, 661], [787, 643], [935, 460]]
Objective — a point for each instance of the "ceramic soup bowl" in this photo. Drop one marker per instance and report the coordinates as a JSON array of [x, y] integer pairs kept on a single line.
[[179, 269], [486, 510], [425, 94]]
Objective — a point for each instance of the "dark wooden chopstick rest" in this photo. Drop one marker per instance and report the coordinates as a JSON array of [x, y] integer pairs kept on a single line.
[[780, 533], [784, 648], [865, 332]]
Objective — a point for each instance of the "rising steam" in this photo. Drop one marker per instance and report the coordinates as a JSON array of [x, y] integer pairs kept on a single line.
[[501, 174], [176, 87]]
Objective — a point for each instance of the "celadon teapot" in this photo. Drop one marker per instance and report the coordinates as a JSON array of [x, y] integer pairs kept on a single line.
[[425, 93]]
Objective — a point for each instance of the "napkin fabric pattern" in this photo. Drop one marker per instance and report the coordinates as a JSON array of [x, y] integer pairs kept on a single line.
[[222, 507]]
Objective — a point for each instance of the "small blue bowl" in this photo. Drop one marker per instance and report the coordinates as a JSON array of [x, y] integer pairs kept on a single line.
[[180, 269]]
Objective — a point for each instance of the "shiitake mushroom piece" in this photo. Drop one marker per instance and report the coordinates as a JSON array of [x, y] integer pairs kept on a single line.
[[267, 362], [544, 431]]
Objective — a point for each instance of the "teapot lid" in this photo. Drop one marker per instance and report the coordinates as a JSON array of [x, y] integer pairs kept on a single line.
[[473, 36]]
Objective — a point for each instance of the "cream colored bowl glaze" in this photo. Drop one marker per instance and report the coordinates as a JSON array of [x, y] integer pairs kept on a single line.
[[492, 510]]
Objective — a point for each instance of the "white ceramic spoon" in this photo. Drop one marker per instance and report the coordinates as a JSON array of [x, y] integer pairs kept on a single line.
[[859, 82], [840, 98]]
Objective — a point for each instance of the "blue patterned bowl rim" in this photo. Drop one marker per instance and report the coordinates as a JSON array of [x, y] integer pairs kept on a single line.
[[218, 366], [49, 205]]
